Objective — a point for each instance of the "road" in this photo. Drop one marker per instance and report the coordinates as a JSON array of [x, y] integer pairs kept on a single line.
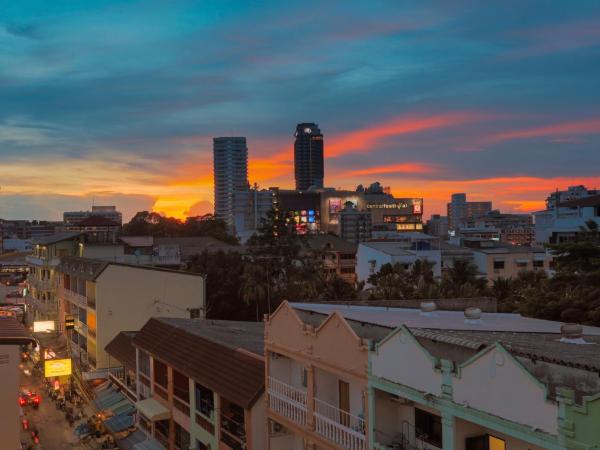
[[54, 430]]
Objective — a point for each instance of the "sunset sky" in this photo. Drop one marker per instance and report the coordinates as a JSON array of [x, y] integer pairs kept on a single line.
[[116, 102]]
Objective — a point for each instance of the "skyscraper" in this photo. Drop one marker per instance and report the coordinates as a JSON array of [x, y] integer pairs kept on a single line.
[[231, 174], [308, 156], [460, 210]]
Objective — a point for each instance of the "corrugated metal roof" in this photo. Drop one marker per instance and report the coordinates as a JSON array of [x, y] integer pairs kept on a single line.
[[121, 348]]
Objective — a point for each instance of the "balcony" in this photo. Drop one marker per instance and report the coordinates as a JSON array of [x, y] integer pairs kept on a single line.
[[37, 261], [287, 401], [330, 422], [73, 297], [45, 284], [117, 374], [340, 427], [167, 260]]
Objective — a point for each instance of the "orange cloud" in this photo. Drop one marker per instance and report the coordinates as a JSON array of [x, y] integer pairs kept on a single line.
[[365, 139], [590, 126]]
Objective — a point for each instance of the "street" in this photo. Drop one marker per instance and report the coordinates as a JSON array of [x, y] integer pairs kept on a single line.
[[54, 430]]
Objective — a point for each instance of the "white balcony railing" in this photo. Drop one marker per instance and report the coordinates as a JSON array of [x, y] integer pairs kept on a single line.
[[341, 427], [332, 423], [73, 297], [288, 401], [37, 261]]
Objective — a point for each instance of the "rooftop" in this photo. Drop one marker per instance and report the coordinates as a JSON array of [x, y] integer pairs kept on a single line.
[[590, 201], [121, 348], [53, 239], [224, 356], [12, 332], [329, 241], [392, 248]]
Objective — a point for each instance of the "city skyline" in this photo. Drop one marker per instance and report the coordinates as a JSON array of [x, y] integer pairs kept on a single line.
[[118, 104]]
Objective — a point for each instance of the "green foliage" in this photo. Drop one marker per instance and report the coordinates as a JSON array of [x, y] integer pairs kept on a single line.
[[146, 223], [571, 295]]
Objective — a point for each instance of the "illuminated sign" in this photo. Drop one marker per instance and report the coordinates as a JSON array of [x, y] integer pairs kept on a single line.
[[400, 205], [69, 322], [7, 313], [44, 326], [57, 367]]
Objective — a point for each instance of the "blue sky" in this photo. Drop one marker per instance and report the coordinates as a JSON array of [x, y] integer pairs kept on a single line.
[[118, 101]]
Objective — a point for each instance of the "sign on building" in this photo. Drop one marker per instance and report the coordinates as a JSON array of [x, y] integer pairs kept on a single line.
[[57, 367], [69, 322]]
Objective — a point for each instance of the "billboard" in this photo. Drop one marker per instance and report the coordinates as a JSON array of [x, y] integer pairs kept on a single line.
[[57, 367], [43, 326]]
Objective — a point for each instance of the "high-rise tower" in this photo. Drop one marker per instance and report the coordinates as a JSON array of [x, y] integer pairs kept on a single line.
[[308, 156], [231, 174]]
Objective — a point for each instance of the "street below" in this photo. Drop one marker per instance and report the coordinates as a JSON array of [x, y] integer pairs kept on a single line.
[[54, 431]]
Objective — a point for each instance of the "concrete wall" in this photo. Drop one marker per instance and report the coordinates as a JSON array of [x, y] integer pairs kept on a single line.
[[365, 254], [127, 297], [9, 389], [515, 395], [402, 360], [259, 423]]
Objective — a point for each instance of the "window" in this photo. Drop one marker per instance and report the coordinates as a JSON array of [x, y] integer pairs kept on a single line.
[[538, 263], [521, 263], [144, 363], [182, 437], [205, 402], [347, 270], [181, 386], [304, 377], [485, 442], [428, 427], [160, 373], [195, 313], [201, 446], [498, 265]]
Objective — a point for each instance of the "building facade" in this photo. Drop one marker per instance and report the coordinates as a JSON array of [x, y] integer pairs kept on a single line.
[[460, 210], [308, 156], [566, 220], [105, 298], [355, 225], [71, 218], [230, 159], [203, 388], [405, 249]]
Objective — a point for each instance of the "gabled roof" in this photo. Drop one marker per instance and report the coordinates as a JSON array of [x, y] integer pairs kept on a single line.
[[121, 348], [220, 355]]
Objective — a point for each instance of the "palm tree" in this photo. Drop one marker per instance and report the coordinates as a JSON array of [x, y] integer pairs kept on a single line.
[[255, 286], [463, 281]]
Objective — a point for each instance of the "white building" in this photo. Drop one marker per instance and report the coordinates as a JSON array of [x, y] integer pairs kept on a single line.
[[405, 250], [565, 221], [72, 218]]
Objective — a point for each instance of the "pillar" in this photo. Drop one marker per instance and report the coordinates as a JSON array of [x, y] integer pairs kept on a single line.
[[448, 426], [370, 417], [310, 397]]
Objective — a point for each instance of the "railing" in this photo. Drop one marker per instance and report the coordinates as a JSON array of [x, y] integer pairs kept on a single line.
[[161, 391], [167, 260], [37, 261], [287, 401], [45, 284], [181, 405], [341, 427], [73, 297]]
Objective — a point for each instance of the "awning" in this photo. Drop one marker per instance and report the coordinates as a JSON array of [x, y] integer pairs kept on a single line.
[[128, 408], [150, 444], [109, 401], [129, 442], [119, 405], [152, 409], [119, 423], [522, 261]]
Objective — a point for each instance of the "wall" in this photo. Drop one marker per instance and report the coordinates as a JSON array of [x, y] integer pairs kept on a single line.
[[586, 419], [402, 360], [366, 254], [114, 253], [9, 389], [127, 297], [516, 396], [259, 423]]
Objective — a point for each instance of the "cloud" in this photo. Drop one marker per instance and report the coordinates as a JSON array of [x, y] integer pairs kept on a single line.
[[200, 208], [564, 129], [404, 168], [366, 139]]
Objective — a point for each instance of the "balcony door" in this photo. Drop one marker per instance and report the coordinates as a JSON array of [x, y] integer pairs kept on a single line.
[[344, 402]]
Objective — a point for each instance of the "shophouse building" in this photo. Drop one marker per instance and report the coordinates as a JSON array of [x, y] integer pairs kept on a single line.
[[201, 384], [448, 380]]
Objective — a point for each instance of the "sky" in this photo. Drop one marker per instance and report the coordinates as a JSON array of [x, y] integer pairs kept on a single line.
[[117, 102]]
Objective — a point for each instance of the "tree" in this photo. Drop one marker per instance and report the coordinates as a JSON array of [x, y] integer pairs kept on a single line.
[[463, 281], [582, 254]]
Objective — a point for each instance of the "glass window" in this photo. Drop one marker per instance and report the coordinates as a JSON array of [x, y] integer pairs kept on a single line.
[[498, 265], [181, 386], [160, 373], [205, 402], [144, 363], [182, 437]]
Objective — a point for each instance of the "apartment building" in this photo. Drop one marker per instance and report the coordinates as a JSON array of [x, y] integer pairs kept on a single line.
[[201, 384], [500, 260], [460, 210], [338, 256], [448, 380], [565, 220], [106, 297], [316, 376], [404, 248]]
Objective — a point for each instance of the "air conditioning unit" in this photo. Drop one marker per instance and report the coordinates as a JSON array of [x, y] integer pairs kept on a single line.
[[277, 428]]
